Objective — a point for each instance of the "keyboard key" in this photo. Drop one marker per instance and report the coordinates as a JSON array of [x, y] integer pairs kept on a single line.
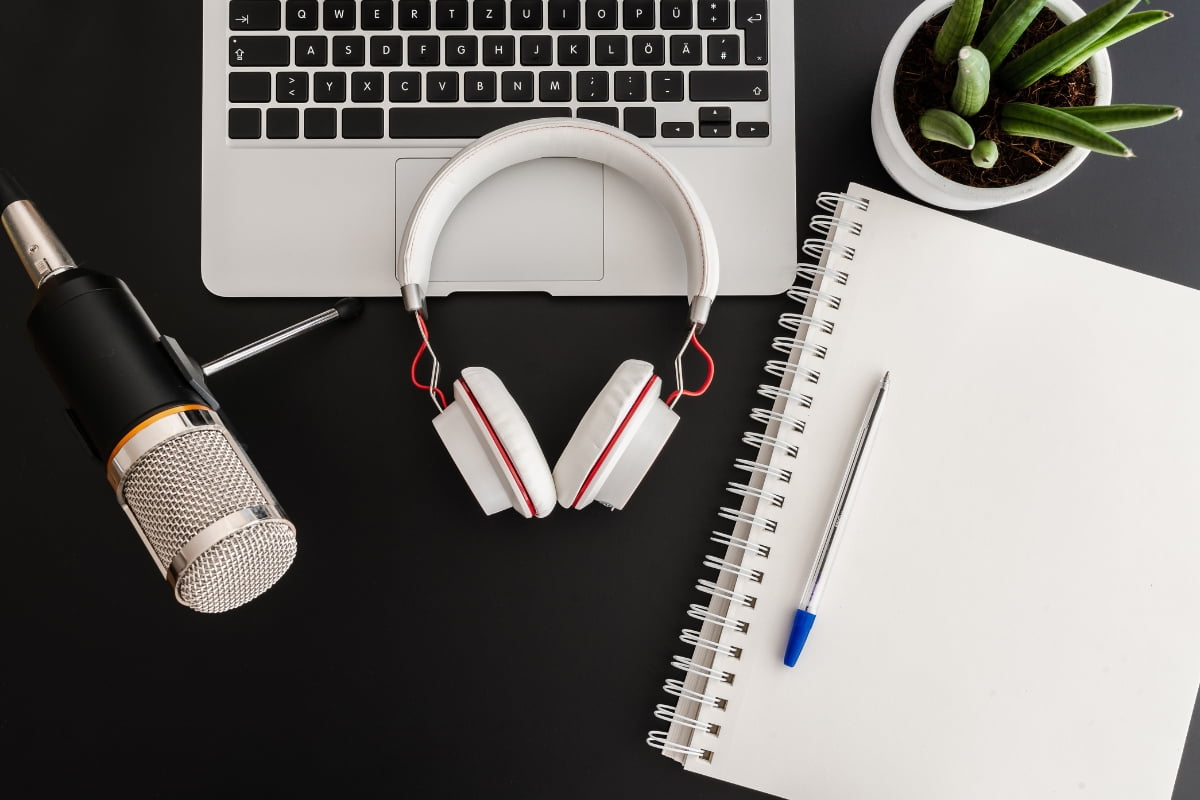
[[488, 15], [564, 15], [752, 20], [537, 51], [249, 87], [601, 15], [312, 51], [638, 15], [377, 15], [260, 51], [574, 51], [713, 15], [329, 87], [441, 87], [629, 87], [728, 85], [291, 87], [414, 15], [516, 87], [451, 15], [404, 87], [676, 14], [245, 123], [666, 87], [724, 50], [527, 15], [611, 51], [678, 130], [340, 15], [424, 51], [479, 87], [715, 130], [461, 123], [387, 51], [499, 51], [362, 123], [283, 123], [605, 114], [462, 51], [255, 15], [349, 51], [366, 87], [320, 123], [753, 130], [554, 87], [687, 50], [716, 114], [301, 15], [591, 87], [649, 51], [641, 121]]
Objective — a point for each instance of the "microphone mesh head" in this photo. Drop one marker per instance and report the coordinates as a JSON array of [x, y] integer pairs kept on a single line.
[[184, 485]]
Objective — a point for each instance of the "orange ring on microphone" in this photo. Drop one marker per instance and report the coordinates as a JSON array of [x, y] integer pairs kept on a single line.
[[147, 422]]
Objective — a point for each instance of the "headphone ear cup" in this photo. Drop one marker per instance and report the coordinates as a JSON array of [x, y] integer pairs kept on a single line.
[[616, 441], [494, 448]]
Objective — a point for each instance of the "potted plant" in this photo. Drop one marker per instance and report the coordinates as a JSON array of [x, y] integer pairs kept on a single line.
[[979, 103]]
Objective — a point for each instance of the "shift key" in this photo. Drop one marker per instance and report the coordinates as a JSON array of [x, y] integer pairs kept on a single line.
[[728, 85]]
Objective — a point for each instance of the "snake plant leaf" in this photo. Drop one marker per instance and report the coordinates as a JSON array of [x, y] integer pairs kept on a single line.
[[1133, 23], [1040, 122], [985, 154], [997, 10], [972, 84], [1006, 29], [958, 30], [1063, 45], [940, 125], [1124, 116]]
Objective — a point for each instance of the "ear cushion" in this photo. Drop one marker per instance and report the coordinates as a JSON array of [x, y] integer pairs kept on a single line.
[[505, 439], [626, 422]]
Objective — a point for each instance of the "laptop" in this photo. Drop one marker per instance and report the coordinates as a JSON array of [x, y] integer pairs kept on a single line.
[[324, 119]]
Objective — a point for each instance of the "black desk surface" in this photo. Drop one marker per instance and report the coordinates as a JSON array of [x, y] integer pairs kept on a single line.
[[416, 647]]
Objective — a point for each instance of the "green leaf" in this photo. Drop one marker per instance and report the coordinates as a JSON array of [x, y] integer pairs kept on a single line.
[[1123, 117], [1063, 45], [1007, 28], [1039, 122], [972, 84], [958, 30], [1134, 23], [940, 125], [985, 154], [998, 9]]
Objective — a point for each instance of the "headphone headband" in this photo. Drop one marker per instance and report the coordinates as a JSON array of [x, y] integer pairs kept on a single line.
[[549, 138]]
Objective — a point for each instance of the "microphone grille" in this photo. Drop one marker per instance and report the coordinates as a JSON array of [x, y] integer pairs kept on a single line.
[[186, 484]]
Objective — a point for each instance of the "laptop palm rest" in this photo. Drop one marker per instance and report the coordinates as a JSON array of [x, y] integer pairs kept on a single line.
[[539, 221]]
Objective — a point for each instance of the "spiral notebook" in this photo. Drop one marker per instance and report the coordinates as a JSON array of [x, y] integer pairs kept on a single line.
[[1014, 606]]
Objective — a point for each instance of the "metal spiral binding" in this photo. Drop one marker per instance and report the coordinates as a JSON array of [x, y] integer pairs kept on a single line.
[[723, 614]]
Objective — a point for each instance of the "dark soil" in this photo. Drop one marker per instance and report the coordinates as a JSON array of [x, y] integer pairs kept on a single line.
[[922, 83]]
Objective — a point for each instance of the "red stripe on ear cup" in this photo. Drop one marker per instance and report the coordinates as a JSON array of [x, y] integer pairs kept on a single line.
[[512, 470], [611, 442]]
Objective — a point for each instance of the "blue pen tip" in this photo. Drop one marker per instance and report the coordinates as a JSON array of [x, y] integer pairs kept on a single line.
[[801, 624]]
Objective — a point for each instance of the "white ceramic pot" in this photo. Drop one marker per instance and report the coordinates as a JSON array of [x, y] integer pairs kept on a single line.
[[922, 182]]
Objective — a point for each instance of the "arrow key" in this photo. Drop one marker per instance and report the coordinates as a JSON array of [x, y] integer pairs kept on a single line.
[[291, 87], [753, 130], [254, 15]]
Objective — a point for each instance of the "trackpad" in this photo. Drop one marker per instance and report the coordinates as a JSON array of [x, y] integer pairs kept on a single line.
[[534, 222]]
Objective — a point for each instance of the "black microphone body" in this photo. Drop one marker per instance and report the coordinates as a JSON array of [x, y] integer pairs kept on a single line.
[[105, 356]]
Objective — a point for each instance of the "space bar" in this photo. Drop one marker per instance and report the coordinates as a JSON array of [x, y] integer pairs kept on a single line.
[[460, 123]]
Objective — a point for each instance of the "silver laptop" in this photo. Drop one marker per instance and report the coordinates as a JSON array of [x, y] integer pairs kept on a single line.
[[324, 119]]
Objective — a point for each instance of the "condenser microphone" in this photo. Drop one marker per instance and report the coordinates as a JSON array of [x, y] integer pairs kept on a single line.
[[143, 407]]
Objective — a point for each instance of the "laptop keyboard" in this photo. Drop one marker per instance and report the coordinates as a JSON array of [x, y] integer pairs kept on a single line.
[[396, 72]]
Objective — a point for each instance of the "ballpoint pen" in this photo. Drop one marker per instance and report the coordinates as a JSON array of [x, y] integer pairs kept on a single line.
[[806, 612]]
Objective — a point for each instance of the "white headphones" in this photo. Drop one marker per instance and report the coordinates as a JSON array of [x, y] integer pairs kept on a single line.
[[627, 425]]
